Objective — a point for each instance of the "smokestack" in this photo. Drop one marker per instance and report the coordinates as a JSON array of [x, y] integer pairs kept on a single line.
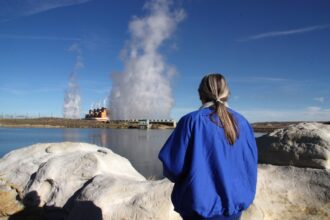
[[143, 90]]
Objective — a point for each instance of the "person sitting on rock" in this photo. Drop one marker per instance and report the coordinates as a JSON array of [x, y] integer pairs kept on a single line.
[[211, 156]]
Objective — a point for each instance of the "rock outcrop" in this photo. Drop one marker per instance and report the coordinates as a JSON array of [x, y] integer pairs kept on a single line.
[[126, 199], [9, 204], [301, 145], [287, 192], [83, 181], [80, 181]]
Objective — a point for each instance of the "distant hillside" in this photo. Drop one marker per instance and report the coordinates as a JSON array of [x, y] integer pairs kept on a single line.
[[81, 123], [271, 126]]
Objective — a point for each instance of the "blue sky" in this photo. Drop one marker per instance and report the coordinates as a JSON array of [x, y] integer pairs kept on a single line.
[[274, 54]]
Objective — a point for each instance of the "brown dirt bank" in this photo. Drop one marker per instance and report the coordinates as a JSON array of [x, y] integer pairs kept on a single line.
[[81, 123], [69, 123], [271, 126]]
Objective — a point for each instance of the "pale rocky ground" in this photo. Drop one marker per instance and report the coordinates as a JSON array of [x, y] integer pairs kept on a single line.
[[84, 181], [290, 193], [301, 145], [81, 179]]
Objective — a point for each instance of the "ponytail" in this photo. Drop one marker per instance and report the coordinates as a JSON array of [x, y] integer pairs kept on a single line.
[[214, 88], [227, 122]]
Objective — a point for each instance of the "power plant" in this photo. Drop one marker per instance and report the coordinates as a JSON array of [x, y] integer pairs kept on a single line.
[[103, 115], [98, 114]]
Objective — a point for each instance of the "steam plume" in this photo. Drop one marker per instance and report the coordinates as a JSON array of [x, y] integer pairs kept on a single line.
[[72, 99], [143, 89]]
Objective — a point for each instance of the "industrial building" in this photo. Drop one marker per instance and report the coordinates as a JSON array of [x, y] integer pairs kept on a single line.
[[98, 114]]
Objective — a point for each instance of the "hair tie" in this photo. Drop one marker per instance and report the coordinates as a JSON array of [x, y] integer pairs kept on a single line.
[[219, 100]]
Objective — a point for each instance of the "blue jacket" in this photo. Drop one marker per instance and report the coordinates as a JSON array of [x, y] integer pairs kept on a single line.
[[211, 176]]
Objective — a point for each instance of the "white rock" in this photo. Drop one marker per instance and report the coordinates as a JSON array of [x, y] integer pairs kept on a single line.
[[57, 170], [286, 192], [91, 182], [8, 199], [302, 145], [125, 199]]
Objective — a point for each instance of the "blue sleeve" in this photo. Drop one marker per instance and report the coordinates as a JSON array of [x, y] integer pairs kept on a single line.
[[253, 144], [253, 163], [174, 150]]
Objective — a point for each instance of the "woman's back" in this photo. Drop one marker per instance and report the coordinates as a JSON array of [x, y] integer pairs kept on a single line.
[[211, 157], [212, 177]]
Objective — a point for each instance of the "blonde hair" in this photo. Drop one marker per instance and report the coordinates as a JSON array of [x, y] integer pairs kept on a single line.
[[214, 88]]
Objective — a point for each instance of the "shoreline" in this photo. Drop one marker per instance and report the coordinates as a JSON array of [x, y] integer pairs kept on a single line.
[[264, 127], [72, 123], [282, 181]]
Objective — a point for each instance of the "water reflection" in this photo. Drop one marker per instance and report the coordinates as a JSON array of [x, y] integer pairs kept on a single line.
[[100, 138], [140, 147], [71, 134]]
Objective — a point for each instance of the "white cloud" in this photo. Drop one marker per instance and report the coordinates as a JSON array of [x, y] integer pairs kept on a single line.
[[313, 109], [319, 99], [271, 79], [11, 9], [27, 37], [310, 113], [259, 79], [12, 91], [286, 32], [20, 90]]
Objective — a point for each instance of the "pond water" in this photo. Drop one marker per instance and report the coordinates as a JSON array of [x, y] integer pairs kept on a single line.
[[141, 147]]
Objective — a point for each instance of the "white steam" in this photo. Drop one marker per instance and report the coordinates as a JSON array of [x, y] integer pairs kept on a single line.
[[143, 89], [72, 99]]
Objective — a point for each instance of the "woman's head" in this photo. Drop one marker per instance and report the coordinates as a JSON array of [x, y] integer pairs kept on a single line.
[[214, 88]]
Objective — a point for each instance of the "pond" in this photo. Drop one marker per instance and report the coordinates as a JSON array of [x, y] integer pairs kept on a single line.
[[140, 147]]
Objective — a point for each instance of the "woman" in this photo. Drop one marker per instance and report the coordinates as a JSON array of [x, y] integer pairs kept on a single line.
[[211, 156]]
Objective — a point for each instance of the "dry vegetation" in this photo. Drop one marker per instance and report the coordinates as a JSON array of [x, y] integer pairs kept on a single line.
[[62, 123], [81, 123], [70, 123], [271, 126]]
